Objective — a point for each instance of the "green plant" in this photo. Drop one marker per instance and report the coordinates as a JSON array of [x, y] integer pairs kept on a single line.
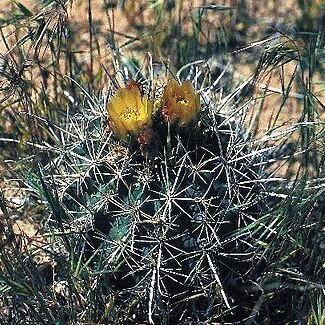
[[179, 217], [153, 215]]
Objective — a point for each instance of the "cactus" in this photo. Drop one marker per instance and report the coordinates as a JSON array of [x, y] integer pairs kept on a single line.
[[155, 183]]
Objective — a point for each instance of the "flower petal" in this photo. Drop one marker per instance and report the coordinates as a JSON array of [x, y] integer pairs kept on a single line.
[[181, 103], [129, 112]]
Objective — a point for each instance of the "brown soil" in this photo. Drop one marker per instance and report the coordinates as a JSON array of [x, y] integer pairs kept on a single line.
[[123, 22]]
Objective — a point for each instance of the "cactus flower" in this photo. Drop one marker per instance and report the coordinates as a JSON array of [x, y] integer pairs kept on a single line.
[[181, 103], [129, 112]]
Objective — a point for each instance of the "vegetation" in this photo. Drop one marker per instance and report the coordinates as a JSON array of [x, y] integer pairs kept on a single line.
[[163, 185]]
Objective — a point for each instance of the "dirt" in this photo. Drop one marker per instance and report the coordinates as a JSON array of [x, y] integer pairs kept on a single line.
[[266, 14]]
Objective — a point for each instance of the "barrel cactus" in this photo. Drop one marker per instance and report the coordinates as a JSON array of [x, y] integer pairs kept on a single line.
[[155, 180]]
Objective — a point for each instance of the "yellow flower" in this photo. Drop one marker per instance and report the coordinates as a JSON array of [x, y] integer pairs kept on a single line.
[[129, 112], [181, 102]]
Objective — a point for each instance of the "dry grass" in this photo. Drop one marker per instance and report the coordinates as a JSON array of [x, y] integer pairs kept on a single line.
[[235, 40]]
